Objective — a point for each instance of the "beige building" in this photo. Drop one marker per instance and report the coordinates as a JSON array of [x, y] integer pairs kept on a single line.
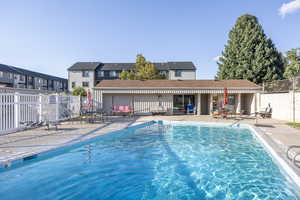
[[88, 74], [175, 96]]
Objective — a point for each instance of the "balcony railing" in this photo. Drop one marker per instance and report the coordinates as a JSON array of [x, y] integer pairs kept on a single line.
[[6, 80], [107, 78]]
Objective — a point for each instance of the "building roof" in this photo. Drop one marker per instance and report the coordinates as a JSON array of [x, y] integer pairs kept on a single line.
[[177, 84], [84, 66], [22, 71], [127, 66]]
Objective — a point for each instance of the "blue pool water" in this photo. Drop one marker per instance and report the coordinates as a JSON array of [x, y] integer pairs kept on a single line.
[[174, 161]]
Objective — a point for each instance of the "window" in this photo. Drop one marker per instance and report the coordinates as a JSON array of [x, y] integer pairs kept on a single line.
[[30, 79], [106, 73], [1, 74], [85, 84], [178, 73], [112, 73], [73, 84], [6, 75], [163, 73], [231, 100], [85, 74], [100, 73], [22, 78]]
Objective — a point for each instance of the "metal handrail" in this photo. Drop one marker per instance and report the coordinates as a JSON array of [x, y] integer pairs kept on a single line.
[[236, 122], [294, 159], [290, 148]]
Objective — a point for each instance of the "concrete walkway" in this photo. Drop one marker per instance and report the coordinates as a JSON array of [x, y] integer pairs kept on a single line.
[[22, 144], [25, 143]]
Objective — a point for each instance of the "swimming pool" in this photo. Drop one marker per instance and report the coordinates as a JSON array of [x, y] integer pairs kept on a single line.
[[154, 161]]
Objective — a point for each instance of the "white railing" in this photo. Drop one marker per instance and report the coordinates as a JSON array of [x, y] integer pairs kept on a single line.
[[24, 90], [17, 109]]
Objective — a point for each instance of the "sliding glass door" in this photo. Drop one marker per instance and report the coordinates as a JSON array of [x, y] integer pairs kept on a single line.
[[180, 103]]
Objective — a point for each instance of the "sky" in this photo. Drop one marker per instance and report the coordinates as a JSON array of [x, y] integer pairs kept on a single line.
[[50, 36]]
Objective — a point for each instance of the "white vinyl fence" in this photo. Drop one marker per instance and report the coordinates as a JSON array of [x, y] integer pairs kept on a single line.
[[285, 106], [284, 98], [16, 108]]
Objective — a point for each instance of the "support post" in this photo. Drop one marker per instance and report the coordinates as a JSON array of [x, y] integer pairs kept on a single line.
[[239, 103], [199, 104], [101, 100], [210, 103]]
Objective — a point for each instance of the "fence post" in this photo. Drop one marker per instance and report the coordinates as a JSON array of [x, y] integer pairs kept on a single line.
[[40, 108], [17, 109], [57, 108], [293, 96]]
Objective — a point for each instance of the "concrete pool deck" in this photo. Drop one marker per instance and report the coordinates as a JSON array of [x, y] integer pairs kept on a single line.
[[22, 144]]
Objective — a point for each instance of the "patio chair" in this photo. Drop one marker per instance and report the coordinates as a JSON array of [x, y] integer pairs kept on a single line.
[[219, 113], [128, 110], [115, 110], [123, 110], [191, 109]]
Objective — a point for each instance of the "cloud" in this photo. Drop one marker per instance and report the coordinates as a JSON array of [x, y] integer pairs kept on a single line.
[[217, 58], [288, 8]]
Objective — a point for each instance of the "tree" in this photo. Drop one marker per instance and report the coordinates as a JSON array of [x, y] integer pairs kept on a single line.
[[143, 70], [127, 75], [292, 63], [79, 91], [250, 54]]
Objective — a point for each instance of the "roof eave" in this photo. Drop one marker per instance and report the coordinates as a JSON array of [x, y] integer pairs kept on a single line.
[[168, 88]]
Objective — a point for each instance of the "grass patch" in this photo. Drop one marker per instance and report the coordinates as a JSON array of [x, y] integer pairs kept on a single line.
[[295, 125]]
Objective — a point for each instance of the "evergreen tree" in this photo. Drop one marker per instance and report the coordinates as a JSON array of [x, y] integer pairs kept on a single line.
[[292, 63], [250, 54], [143, 70]]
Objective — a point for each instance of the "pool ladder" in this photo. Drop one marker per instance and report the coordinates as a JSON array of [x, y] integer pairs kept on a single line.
[[236, 123], [294, 158]]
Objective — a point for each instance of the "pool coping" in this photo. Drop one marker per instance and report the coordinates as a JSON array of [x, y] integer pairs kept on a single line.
[[278, 156]]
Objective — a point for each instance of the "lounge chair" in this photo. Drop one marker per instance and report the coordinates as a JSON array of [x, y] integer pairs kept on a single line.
[[160, 110], [31, 124], [267, 113], [52, 123]]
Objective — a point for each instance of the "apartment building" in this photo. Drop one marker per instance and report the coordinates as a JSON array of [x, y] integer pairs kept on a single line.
[[89, 74], [16, 77]]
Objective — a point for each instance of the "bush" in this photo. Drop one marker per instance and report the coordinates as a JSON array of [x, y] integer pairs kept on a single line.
[[79, 91]]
